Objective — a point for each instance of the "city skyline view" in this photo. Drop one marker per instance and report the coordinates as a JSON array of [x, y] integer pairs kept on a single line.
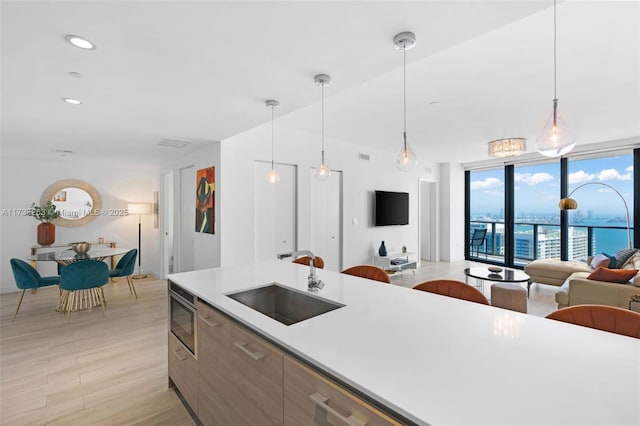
[[537, 191]]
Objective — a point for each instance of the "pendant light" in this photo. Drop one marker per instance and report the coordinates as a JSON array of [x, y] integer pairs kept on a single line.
[[273, 176], [556, 138], [406, 158], [322, 172]]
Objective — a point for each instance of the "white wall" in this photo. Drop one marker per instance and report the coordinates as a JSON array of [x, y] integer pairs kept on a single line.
[[206, 246], [22, 183], [361, 178], [451, 212]]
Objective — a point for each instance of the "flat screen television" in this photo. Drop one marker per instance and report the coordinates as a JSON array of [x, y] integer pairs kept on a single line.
[[391, 208]]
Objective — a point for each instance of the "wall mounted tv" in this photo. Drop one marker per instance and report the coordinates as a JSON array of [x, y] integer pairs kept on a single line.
[[391, 208]]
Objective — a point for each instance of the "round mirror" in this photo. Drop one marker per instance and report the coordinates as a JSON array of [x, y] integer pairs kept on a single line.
[[77, 202]]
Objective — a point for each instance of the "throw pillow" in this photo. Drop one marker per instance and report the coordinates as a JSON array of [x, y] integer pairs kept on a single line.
[[619, 276], [612, 261], [633, 262], [623, 255], [599, 260]]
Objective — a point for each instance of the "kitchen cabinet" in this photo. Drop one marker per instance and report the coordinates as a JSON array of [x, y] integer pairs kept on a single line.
[[240, 379], [257, 377], [183, 371], [311, 399], [215, 392]]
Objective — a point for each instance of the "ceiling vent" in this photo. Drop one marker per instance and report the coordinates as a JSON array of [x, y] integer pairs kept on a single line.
[[174, 143], [362, 156]]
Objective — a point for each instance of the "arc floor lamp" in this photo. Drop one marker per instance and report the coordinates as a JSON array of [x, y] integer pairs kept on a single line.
[[139, 209], [569, 203]]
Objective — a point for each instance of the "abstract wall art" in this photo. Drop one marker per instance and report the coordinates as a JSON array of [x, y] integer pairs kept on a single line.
[[205, 200]]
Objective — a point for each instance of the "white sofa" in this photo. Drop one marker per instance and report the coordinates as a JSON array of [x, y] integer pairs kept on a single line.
[[576, 289]]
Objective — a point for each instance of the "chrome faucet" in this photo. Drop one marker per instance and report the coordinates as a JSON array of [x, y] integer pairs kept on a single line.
[[313, 282]]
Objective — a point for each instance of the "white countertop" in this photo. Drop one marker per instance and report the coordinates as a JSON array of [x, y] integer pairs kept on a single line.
[[443, 361]]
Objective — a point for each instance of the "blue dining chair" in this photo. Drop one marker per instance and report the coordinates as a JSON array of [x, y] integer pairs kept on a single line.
[[88, 275], [125, 268], [27, 278]]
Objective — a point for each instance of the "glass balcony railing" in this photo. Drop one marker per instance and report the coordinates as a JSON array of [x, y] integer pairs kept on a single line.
[[542, 241]]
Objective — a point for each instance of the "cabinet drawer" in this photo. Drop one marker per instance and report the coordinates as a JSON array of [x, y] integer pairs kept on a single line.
[[183, 370], [213, 327], [257, 368], [310, 399]]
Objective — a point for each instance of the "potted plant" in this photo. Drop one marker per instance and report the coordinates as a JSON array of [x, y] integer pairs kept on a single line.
[[46, 229]]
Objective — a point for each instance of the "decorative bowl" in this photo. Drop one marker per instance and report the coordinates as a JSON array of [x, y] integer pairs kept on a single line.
[[494, 269], [81, 247]]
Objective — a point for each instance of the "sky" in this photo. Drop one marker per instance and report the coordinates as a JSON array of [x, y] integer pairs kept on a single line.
[[537, 188]]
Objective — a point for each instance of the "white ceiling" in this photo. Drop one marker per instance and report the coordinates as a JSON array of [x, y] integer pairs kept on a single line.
[[201, 71]]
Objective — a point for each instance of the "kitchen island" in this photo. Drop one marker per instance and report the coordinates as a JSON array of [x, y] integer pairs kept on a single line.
[[437, 360]]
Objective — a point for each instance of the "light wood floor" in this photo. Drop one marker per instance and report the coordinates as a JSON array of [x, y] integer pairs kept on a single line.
[[97, 370], [113, 370]]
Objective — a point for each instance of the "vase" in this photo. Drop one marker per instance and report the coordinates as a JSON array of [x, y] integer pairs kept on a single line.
[[382, 251], [46, 234]]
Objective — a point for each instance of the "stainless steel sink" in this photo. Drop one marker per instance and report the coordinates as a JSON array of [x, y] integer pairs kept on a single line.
[[284, 304]]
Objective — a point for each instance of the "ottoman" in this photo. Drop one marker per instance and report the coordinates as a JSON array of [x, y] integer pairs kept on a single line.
[[509, 296]]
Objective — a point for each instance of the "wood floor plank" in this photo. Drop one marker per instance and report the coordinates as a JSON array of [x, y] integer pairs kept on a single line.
[[96, 370]]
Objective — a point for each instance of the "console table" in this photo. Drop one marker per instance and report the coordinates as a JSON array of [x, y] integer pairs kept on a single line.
[[397, 262]]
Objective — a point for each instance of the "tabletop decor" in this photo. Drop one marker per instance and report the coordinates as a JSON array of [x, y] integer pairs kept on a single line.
[[46, 229]]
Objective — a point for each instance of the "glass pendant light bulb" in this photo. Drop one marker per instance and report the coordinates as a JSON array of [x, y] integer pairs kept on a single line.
[[322, 172], [406, 159], [556, 138], [273, 176]]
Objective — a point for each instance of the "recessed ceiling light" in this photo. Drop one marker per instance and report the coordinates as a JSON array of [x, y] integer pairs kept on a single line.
[[80, 42], [72, 101], [75, 74]]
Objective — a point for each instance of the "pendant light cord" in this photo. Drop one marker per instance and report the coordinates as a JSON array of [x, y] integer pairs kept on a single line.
[[272, 151], [555, 96], [404, 91], [322, 107]]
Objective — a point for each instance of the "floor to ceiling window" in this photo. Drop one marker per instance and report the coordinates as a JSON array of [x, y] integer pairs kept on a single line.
[[599, 224], [536, 214], [518, 207], [486, 200]]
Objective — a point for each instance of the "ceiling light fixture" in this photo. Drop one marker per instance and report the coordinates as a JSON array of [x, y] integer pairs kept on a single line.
[[272, 177], [406, 158], [80, 42], [322, 172], [508, 147], [72, 101], [556, 138]]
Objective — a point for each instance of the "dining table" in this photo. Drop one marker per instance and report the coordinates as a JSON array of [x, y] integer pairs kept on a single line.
[[84, 299]]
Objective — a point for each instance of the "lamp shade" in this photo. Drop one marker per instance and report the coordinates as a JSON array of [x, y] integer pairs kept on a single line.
[[568, 204], [139, 208]]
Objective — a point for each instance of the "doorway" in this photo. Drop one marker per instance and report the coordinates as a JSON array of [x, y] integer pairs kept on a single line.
[[428, 225], [275, 211], [187, 220], [326, 219], [167, 217]]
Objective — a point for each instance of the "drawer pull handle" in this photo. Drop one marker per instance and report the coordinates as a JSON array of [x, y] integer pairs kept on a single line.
[[177, 354], [243, 347], [211, 324], [323, 402]]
